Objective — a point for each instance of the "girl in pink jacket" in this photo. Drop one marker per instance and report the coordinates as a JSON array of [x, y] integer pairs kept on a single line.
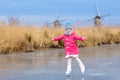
[[70, 47]]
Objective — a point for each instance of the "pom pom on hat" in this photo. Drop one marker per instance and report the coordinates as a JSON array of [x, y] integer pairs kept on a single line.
[[67, 23]]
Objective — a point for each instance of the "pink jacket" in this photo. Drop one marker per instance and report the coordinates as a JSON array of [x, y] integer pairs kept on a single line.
[[69, 43]]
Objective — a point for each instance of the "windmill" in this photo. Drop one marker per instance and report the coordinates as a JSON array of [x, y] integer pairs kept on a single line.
[[57, 21], [97, 18]]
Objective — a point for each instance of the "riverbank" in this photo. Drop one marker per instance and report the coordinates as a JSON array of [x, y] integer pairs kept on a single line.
[[15, 39]]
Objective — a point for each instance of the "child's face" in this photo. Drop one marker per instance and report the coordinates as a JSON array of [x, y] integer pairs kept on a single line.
[[68, 31]]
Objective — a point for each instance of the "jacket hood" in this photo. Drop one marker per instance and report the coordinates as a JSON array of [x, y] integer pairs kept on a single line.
[[73, 32]]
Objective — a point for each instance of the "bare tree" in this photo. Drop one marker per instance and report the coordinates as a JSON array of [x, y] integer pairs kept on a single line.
[[13, 21]]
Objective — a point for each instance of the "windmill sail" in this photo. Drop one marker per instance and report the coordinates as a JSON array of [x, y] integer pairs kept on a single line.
[[105, 15], [97, 11], [56, 16]]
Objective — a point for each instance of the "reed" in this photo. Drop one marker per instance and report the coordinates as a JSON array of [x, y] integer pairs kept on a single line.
[[28, 38]]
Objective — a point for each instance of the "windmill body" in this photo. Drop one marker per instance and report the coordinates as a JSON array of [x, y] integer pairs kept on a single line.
[[97, 21], [57, 22]]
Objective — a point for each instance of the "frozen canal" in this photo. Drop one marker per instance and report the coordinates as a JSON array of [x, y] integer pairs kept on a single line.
[[102, 63]]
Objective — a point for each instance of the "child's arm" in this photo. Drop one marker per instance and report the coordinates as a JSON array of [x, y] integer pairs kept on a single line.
[[58, 38], [79, 38]]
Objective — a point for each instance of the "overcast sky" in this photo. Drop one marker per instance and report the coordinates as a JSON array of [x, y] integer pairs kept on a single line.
[[39, 11]]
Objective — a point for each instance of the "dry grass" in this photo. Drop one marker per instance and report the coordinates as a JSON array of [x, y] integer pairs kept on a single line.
[[21, 38]]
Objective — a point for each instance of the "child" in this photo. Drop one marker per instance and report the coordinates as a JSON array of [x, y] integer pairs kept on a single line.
[[70, 48]]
